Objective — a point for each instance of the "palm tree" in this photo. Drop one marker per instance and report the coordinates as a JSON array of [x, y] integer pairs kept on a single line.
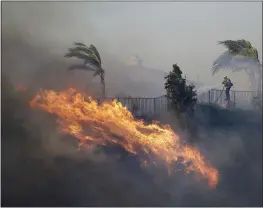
[[92, 61], [240, 47], [241, 55]]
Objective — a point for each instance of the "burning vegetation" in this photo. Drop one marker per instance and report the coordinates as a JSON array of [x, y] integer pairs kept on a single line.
[[111, 123]]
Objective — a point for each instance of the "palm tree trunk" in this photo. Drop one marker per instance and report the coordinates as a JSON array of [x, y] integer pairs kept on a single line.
[[102, 82]]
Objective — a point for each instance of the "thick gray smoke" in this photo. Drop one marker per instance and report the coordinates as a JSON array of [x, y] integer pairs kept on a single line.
[[41, 167], [49, 36]]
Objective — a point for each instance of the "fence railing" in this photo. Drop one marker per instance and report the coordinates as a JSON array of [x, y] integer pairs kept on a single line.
[[154, 106], [218, 97]]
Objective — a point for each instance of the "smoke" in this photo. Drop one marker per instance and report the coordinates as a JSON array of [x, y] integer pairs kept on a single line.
[[238, 63], [205, 89], [45, 39], [41, 167]]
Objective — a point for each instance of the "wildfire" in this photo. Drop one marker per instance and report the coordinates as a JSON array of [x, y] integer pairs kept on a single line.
[[110, 122]]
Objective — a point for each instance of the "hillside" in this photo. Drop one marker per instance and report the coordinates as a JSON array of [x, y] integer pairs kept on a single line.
[[41, 167]]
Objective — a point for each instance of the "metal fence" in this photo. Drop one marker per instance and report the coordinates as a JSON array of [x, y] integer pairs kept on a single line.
[[218, 97], [154, 106]]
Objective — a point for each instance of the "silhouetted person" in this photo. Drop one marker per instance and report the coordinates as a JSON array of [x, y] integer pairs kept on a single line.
[[227, 84]]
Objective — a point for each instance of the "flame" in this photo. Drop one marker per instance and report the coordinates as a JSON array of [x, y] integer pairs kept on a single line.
[[111, 123]]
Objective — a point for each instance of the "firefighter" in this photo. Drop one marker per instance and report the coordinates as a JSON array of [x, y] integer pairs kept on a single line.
[[227, 84]]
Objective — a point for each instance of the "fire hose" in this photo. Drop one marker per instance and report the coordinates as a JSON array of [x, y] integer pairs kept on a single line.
[[220, 94]]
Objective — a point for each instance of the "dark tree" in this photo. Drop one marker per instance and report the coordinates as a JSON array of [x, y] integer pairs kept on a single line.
[[181, 96]]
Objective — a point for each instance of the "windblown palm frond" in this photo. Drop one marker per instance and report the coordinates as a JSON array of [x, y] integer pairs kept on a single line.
[[90, 55], [241, 55], [244, 43], [85, 53], [92, 50], [235, 46], [232, 46], [79, 44], [240, 47], [91, 58], [88, 60], [235, 62], [82, 49], [81, 66], [95, 52], [250, 53], [81, 55]]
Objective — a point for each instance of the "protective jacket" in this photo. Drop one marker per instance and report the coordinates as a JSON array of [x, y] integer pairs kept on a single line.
[[227, 83]]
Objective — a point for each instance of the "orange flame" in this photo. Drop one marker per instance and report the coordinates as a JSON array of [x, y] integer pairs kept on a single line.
[[110, 122]]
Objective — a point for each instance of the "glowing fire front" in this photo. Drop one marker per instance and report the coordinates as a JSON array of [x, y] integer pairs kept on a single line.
[[111, 123]]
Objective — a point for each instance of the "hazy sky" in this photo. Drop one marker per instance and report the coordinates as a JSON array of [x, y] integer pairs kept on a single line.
[[160, 33]]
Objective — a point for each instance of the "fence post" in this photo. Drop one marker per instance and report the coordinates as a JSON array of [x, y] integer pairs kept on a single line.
[[209, 96], [234, 96]]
